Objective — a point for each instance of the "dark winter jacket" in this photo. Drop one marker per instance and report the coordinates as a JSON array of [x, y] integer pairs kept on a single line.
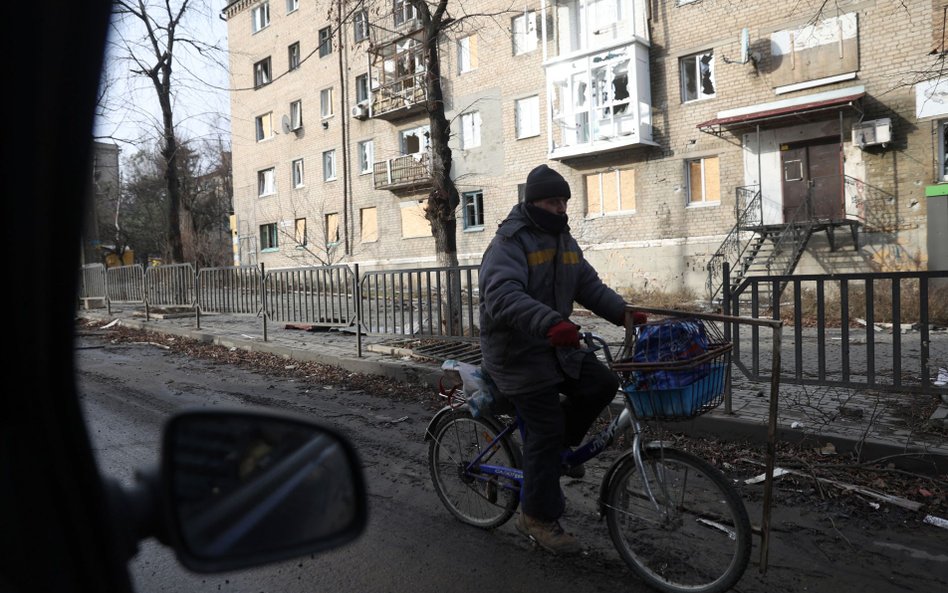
[[529, 279]]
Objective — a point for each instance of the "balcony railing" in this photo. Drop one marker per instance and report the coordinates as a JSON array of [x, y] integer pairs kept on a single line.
[[403, 172], [400, 98]]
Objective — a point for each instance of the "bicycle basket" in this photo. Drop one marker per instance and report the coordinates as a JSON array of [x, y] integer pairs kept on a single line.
[[677, 370]]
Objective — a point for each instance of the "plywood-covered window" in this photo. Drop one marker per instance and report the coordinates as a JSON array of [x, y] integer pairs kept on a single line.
[[610, 191], [703, 180], [332, 228], [300, 231], [369, 224], [414, 223]]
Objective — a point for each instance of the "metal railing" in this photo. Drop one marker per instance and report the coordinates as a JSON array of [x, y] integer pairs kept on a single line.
[[410, 170], [842, 325], [170, 285], [846, 330], [433, 302], [749, 214], [125, 284], [321, 295], [229, 290]]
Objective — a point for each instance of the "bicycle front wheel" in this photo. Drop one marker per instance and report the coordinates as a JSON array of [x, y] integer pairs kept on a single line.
[[485, 501], [695, 537]]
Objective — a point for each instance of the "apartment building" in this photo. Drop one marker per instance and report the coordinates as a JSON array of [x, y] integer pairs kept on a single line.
[[687, 130]]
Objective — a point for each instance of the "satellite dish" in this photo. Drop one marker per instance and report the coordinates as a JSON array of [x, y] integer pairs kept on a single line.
[[745, 45], [286, 124]]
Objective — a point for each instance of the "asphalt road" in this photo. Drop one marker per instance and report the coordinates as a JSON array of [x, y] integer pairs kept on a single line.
[[412, 543]]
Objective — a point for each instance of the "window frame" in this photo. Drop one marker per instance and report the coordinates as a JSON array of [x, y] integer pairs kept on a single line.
[[262, 73], [326, 103], [467, 48], [293, 59], [331, 220], [325, 41], [470, 130], [366, 157], [262, 131], [525, 33], [403, 12], [292, 6], [299, 232], [269, 237], [296, 114], [329, 165], [259, 17], [263, 177], [623, 204], [362, 88], [518, 128], [360, 25], [696, 58], [472, 210], [704, 200], [297, 171]]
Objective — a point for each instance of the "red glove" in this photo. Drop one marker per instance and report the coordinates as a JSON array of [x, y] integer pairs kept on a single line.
[[639, 318], [564, 333]]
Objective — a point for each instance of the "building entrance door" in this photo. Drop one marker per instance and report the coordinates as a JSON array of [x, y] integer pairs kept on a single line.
[[812, 174]]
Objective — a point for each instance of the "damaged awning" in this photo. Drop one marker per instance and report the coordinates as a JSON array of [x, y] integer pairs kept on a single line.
[[797, 107]]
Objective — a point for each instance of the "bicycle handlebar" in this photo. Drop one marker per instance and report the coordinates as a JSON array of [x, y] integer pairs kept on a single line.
[[596, 342]]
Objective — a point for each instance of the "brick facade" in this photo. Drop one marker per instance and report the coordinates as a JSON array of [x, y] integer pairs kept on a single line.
[[664, 241]]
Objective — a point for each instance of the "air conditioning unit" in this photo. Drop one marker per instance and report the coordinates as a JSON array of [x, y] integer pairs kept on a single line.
[[360, 111], [872, 132]]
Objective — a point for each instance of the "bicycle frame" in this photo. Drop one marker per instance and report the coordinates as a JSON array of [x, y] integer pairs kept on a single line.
[[593, 447]]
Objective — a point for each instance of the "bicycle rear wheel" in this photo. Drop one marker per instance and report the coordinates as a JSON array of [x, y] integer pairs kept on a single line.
[[697, 540], [477, 499]]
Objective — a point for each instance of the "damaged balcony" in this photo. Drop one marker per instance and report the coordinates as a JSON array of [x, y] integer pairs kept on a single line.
[[597, 77], [397, 70], [410, 171]]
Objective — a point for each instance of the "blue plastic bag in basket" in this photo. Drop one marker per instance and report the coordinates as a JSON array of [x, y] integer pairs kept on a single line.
[[668, 341]]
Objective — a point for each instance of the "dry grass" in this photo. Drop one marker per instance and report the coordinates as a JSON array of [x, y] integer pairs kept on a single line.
[[882, 304], [684, 300]]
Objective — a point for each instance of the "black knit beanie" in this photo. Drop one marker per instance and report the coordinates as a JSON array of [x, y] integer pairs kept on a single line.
[[544, 182]]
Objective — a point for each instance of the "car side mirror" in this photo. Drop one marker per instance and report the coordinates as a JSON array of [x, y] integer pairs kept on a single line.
[[243, 488]]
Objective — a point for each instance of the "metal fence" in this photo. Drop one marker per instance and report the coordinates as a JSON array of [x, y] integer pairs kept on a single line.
[[871, 331], [233, 289], [92, 282], [431, 302], [321, 296], [125, 284]]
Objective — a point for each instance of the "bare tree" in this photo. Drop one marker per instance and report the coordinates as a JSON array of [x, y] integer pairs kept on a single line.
[[148, 35]]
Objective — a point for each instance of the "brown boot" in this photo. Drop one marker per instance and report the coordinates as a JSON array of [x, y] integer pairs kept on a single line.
[[548, 535]]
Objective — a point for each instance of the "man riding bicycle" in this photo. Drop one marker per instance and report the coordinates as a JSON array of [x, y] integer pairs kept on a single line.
[[531, 274]]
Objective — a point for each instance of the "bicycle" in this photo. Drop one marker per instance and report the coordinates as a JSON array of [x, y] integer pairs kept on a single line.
[[683, 527]]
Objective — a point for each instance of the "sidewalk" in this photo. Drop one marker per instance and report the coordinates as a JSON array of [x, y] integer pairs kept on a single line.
[[873, 424]]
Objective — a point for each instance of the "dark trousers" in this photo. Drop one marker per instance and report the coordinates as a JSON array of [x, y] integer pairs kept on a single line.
[[550, 426]]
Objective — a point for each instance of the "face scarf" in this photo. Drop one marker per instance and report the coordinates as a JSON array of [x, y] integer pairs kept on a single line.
[[548, 221]]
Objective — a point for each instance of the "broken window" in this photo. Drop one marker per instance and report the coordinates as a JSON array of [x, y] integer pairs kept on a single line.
[[697, 76]]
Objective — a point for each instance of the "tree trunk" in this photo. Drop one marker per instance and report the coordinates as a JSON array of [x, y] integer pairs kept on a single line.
[[443, 199]]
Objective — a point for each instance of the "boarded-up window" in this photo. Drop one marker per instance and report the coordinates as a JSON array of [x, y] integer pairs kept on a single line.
[[414, 223], [332, 228], [704, 180], [610, 191], [815, 50], [300, 234], [369, 224]]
